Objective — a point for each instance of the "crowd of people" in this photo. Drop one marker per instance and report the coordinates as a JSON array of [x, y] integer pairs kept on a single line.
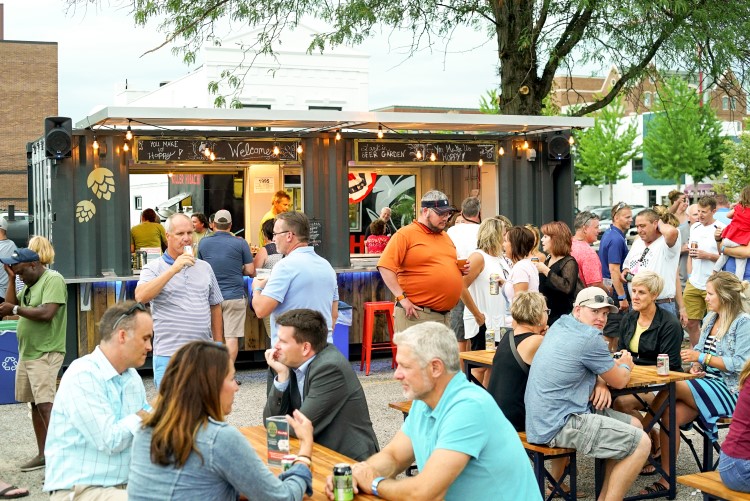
[[555, 318]]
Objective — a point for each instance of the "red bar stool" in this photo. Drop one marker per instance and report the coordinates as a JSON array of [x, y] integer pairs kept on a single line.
[[372, 308]]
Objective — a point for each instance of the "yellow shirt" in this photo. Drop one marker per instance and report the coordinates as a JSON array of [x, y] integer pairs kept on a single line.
[[636, 337]]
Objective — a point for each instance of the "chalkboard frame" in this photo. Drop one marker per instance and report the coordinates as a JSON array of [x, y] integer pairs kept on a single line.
[[404, 151], [229, 150]]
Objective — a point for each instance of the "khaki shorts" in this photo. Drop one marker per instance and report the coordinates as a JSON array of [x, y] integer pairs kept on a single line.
[[91, 493], [607, 434], [695, 302], [401, 323], [234, 312], [36, 380]]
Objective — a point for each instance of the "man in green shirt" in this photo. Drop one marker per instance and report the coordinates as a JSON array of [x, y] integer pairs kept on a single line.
[[42, 312], [280, 203]]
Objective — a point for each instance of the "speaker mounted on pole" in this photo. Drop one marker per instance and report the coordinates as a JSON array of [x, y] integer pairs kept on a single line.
[[58, 137], [558, 147]]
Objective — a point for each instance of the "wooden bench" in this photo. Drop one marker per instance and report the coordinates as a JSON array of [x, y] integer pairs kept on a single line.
[[709, 483], [538, 454], [706, 463]]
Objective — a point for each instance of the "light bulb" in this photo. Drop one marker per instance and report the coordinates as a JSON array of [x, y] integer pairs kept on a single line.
[[525, 145], [170, 174], [125, 147], [481, 162], [571, 140], [299, 149], [501, 151], [433, 157], [338, 136], [212, 157], [380, 132], [95, 144], [207, 151], [276, 150], [419, 154], [129, 133]]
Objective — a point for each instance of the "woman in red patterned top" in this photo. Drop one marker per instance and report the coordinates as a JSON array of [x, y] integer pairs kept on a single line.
[[377, 240]]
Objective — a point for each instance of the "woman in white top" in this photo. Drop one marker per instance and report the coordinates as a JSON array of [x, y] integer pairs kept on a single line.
[[518, 245], [485, 310]]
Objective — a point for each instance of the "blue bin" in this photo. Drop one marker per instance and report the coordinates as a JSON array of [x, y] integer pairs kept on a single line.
[[8, 364], [341, 329]]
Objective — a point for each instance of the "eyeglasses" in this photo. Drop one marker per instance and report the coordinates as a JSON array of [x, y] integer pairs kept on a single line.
[[446, 215], [547, 311], [281, 232], [597, 299], [130, 311]]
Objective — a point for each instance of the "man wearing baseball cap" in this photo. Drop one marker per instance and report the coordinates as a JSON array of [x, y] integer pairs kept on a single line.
[[568, 401], [419, 266], [41, 337]]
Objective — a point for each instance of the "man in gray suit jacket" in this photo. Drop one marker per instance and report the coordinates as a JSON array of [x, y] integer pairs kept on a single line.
[[314, 377]]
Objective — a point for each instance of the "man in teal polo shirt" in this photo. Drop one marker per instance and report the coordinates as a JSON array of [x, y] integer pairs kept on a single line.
[[464, 446], [41, 337]]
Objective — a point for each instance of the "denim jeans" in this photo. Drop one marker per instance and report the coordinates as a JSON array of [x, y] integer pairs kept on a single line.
[[670, 307], [159, 364], [735, 473]]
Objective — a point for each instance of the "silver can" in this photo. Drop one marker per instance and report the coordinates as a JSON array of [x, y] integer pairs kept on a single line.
[[662, 365], [494, 284]]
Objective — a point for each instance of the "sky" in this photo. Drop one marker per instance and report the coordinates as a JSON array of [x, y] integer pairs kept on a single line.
[[100, 47]]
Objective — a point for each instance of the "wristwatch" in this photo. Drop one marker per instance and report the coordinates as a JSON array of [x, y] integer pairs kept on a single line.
[[374, 486], [402, 296], [15, 310], [622, 298]]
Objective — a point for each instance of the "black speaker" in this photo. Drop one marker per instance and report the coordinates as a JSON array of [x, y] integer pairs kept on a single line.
[[558, 147], [58, 136]]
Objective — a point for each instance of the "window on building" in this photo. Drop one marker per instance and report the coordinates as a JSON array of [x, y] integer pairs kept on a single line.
[[647, 99], [725, 103], [138, 202], [651, 198], [733, 103], [637, 164], [330, 108], [256, 107]]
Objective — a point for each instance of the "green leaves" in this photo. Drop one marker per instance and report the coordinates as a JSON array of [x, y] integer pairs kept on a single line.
[[736, 161]]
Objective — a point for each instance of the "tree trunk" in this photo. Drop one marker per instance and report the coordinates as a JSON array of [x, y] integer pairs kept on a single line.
[[519, 92], [611, 195]]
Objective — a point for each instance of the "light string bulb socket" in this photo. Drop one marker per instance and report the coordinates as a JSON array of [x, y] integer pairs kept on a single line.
[[380, 132], [129, 132]]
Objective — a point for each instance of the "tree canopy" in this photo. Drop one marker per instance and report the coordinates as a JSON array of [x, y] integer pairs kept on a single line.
[[736, 166], [604, 149], [535, 40], [683, 137]]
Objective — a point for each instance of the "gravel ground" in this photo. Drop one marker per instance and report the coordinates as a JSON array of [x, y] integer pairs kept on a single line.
[[17, 443]]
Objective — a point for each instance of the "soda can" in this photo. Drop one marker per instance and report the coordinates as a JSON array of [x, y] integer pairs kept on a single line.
[[494, 284], [662, 365], [343, 487], [287, 461]]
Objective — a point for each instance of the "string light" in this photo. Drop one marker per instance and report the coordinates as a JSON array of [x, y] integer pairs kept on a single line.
[[212, 156], [525, 145], [170, 174], [433, 157], [125, 147], [128, 132], [571, 140], [419, 154], [481, 162], [276, 150], [95, 144], [501, 151], [299, 148], [338, 135], [380, 132]]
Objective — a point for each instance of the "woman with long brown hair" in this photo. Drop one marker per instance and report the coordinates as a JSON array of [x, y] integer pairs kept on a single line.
[[558, 274], [186, 450]]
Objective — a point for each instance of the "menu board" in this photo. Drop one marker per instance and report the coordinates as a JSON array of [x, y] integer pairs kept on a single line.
[[172, 150], [446, 152], [316, 233]]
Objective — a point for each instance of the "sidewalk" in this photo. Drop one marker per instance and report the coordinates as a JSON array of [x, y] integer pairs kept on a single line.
[[17, 438]]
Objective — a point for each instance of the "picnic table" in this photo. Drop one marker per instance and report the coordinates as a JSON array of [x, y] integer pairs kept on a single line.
[[323, 460], [476, 359]]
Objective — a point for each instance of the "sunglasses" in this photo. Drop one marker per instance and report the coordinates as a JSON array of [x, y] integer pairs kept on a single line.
[[645, 251], [130, 311], [597, 299]]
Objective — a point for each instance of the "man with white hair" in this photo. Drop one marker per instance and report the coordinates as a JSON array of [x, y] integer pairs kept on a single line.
[[184, 294], [446, 432], [570, 374], [385, 216]]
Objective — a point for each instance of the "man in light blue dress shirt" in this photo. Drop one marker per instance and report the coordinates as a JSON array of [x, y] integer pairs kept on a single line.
[[99, 406]]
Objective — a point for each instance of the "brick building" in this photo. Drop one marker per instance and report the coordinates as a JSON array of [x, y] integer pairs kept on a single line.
[[28, 94]]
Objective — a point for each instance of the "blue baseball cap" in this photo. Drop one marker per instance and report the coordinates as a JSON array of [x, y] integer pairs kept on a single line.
[[20, 256]]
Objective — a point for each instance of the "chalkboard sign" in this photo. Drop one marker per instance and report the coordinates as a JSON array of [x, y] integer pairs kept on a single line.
[[316, 233], [446, 152], [170, 150]]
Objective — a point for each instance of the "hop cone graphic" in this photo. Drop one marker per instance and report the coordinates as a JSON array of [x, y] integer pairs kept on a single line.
[[85, 210], [102, 182]]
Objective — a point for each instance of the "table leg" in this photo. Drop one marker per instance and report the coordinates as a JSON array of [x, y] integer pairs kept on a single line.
[[468, 365], [674, 432]]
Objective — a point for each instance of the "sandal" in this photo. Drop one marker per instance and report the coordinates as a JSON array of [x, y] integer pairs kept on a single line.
[[566, 489], [5, 493], [653, 488], [648, 468]]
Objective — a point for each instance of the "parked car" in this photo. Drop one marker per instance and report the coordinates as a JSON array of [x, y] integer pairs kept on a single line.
[[604, 224]]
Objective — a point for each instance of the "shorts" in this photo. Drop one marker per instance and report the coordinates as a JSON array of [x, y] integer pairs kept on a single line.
[[479, 342], [233, 313], [607, 434], [36, 380], [401, 322], [457, 321], [91, 493], [695, 301]]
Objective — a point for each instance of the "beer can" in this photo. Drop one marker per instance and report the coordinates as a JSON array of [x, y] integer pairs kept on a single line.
[[287, 461], [662, 365], [535, 259], [343, 487], [693, 244], [494, 284], [188, 249]]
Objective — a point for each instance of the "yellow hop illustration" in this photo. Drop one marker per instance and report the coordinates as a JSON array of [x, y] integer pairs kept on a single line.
[[102, 182], [85, 210]]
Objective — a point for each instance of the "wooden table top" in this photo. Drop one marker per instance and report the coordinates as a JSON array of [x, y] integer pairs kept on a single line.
[[323, 460], [480, 356]]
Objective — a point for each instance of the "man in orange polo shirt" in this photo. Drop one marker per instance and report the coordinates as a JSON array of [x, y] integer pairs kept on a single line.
[[419, 266]]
